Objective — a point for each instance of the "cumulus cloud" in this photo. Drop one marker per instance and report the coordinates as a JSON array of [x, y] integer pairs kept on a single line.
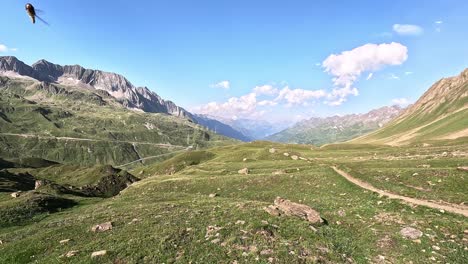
[[403, 102], [235, 106], [408, 73], [407, 29], [265, 90], [267, 103], [348, 66], [222, 85], [298, 96], [248, 106]]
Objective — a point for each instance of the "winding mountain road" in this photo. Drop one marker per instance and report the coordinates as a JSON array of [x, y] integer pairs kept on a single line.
[[453, 208]]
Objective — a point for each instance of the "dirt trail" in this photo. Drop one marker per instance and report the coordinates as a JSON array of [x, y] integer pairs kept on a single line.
[[453, 208]]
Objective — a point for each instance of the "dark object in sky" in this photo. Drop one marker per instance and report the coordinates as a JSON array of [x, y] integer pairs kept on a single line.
[[32, 13]]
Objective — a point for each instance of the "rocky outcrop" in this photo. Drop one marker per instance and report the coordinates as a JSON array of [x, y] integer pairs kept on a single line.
[[285, 207], [411, 233]]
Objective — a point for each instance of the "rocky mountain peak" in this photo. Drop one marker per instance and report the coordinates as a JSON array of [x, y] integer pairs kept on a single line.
[[75, 75], [12, 64]]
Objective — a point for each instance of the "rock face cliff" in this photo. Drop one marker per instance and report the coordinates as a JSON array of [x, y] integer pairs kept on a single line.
[[116, 85]]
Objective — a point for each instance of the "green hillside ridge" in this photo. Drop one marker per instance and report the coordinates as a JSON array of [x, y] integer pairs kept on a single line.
[[440, 114], [78, 126]]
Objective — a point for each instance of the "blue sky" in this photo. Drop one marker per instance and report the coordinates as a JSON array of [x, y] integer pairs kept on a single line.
[[209, 56]]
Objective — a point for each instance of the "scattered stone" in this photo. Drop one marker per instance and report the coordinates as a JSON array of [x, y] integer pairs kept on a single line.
[[279, 172], [71, 253], [435, 248], [244, 171], [341, 213], [240, 222], [411, 233], [302, 158], [282, 206], [213, 195], [417, 241], [253, 249], [266, 252], [244, 160], [463, 168], [442, 211], [16, 194], [272, 150], [38, 184], [286, 154], [216, 241], [444, 154], [415, 174], [134, 220], [212, 231], [65, 241], [102, 227], [1, 242], [98, 253], [379, 202], [294, 157]]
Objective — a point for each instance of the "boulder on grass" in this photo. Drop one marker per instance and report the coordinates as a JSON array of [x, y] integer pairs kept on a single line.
[[285, 207]]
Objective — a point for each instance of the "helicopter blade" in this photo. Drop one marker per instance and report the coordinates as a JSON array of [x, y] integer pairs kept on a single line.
[[42, 20], [39, 11]]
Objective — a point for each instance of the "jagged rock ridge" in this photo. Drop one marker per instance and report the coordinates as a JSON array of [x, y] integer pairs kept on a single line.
[[116, 85]]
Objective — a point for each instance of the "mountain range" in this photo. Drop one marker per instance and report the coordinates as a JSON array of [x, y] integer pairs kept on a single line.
[[320, 131], [116, 85]]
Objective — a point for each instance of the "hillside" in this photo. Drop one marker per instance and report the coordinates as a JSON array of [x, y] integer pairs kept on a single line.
[[197, 208], [439, 115], [69, 124], [320, 131]]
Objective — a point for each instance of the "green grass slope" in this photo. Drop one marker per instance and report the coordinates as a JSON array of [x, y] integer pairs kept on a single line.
[[171, 218], [82, 126], [439, 115]]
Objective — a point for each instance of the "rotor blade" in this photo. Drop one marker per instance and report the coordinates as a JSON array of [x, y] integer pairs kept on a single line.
[[43, 21], [39, 11]]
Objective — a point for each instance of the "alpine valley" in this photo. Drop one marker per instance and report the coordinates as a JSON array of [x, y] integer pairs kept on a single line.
[[96, 170]]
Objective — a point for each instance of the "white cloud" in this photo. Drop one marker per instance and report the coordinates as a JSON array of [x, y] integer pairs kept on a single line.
[[222, 85], [407, 30], [235, 106], [393, 77], [401, 102], [408, 73], [265, 90], [248, 106], [438, 26], [267, 103], [298, 96], [4, 48], [348, 66], [369, 76]]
